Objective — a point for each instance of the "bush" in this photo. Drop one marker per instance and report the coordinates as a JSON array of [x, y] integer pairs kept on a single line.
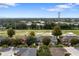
[[17, 42], [10, 32], [11, 42], [74, 41], [77, 45], [43, 51], [59, 45], [46, 40], [4, 46], [67, 54], [33, 46], [15, 54], [30, 40], [6, 42], [50, 45], [22, 46], [0, 53]]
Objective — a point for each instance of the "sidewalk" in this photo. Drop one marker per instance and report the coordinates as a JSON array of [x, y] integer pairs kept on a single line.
[[72, 50]]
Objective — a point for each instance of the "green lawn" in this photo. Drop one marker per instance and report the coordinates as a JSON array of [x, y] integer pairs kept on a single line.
[[74, 31], [26, 32]]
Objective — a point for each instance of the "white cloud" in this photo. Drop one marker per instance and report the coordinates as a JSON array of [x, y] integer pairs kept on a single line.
[[2, 6], [63, 6], [10, 4], [76, 3], [7, 5], [60, 7], [54, 9]]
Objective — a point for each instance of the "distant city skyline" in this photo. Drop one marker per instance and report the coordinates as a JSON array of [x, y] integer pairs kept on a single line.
[[39, 10]]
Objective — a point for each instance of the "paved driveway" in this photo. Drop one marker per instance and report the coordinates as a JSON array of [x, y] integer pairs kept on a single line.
[[57, 51], [7, 52], [22, 51], [72, 50]]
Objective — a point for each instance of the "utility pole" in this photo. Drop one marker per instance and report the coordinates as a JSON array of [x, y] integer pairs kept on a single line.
[[58, 14], [58, 17]]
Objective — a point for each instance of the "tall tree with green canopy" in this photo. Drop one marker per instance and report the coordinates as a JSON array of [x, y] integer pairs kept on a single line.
[[10, 32], [57, 32]]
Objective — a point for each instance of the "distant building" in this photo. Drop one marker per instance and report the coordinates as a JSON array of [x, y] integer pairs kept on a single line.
[[29, 23]]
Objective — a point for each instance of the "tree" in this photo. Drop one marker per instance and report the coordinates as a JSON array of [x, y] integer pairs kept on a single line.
[[57, 32], [32, 33], [46, 40], [10, 32], [30, 40], [74, 41]]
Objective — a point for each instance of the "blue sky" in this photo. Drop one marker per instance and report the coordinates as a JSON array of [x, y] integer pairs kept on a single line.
[[39, 10]]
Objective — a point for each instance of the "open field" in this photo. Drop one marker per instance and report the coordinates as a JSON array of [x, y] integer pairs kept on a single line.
[[43, 32], [24, 32]]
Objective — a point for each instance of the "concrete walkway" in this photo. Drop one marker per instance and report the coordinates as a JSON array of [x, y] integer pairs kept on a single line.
[[72, 50], [8, 53]]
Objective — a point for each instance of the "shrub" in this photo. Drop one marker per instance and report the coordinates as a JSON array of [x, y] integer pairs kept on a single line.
[[46, 40], [43, 51], [74, 41], [77, 45], [50, 45], [59, 45], [17, 42], [0, 53], [22, 46], [67, 54], [15, 54], [6, 42], [12, 42], [4, 46], [30, 40], [33, 46], [10, 32]]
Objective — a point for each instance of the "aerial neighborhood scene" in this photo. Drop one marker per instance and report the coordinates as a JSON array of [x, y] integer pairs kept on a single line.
[[39, 29]]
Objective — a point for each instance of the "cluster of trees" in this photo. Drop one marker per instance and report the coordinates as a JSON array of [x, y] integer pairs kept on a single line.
[[33, 26], [46, 25], [69, 26], [49, 23]]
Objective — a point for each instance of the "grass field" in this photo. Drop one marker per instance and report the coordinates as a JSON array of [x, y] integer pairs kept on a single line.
[[26, 32]]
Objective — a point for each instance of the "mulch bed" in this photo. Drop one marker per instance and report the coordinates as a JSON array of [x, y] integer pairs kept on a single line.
[[57, 51]]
